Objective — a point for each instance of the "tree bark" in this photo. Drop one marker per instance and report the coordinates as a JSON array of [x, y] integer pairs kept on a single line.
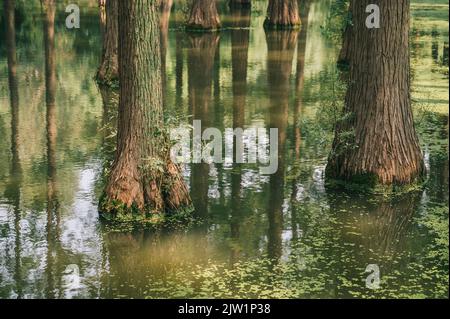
[[375, 140], [203, 15], [108, 72], [143, 178], [282, 14]]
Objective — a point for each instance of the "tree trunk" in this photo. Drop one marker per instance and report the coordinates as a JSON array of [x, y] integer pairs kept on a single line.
[[375, 140], [143, 178], [203, 15], [282, 14], [108, 72]]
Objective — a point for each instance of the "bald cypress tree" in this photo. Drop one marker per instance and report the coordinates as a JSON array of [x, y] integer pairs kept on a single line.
[[143, 179], [375, 140]]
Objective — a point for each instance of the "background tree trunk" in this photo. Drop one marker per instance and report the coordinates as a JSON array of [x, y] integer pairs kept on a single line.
[[282, 14], [142, 176], [376, 138], [108, 72], [203, 15]]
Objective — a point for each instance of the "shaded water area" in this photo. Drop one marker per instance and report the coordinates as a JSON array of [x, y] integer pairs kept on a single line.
[[282, 236]]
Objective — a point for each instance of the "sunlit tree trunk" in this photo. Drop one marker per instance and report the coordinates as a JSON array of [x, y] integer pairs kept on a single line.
[[107, 73], [143, 178], [203, 15], [375, 141], [281, 49], [282, 14]]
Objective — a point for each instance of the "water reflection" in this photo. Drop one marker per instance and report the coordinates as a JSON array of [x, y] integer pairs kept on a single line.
[[13, 188], [285, 230], [281, 49]]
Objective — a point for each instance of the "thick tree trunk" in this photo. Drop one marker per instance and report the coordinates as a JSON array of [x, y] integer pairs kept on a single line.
[[203, 15], [282, 14], [143, 179], [281, 49], [376, 139], [108, 72]]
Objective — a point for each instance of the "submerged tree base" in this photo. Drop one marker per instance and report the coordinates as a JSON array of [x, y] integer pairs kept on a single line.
[[123, 217], [369, 184], [201, 28]]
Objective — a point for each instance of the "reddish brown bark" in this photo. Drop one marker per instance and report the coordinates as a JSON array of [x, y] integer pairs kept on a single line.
[[203, 15], [282, 14], [142, 175]]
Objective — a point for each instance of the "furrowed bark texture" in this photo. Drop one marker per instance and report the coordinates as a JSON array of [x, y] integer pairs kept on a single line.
[[282, 14], [108, 71], [383, 143], [142, 174], [204, 15]]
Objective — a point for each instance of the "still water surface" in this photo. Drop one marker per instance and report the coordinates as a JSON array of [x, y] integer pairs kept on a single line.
[[283, 235]]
